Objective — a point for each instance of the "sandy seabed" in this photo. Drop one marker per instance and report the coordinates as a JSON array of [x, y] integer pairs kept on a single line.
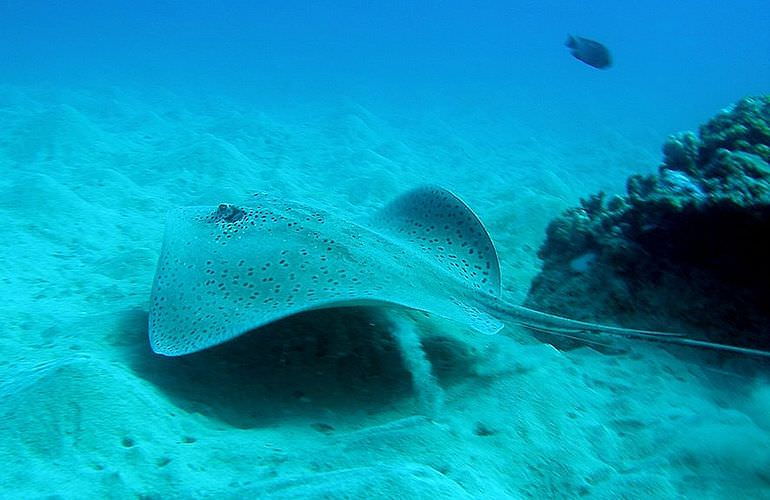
[[322, 406]]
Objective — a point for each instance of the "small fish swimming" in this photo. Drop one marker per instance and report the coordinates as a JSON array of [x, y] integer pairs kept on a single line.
[[590, 52]]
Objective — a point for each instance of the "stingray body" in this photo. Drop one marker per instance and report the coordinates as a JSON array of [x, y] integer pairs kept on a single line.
[[224, 271]]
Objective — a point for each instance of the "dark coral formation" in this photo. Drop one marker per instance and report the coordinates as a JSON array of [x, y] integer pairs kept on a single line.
[[685, 249]]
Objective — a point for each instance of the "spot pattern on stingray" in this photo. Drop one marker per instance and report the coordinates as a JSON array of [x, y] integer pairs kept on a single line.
[[445, 228], [227, 270]]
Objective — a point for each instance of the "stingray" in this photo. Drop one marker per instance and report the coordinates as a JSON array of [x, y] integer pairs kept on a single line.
[[227, 270]]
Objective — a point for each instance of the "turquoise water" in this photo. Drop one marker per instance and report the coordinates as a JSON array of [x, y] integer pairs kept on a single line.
[[111, 115]]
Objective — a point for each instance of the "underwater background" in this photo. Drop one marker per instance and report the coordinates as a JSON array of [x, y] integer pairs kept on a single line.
[[112, 114]]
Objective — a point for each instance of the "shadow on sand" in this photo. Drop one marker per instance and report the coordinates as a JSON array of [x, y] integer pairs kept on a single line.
[[336, 360]]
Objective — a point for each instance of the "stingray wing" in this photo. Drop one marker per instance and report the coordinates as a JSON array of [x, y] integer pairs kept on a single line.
[[447, 232], [226, 270]]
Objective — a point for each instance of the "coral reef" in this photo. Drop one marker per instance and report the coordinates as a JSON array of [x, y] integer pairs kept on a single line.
[[685, 249]]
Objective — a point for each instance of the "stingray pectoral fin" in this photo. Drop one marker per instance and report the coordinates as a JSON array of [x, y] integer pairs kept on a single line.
[[557, 325]]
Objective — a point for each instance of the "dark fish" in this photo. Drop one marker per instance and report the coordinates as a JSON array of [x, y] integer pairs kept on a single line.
[[589, 51]]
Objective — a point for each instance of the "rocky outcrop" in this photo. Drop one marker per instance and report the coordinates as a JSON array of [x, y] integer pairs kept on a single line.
[[686, 249]]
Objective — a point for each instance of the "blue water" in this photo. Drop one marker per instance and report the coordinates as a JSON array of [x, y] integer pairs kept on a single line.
[[675, 62], [112, 114]]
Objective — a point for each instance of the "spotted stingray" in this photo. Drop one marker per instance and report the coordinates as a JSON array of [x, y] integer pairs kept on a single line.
[[224, 271]]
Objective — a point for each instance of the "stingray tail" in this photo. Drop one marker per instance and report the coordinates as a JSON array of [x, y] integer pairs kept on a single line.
[[585, 331]]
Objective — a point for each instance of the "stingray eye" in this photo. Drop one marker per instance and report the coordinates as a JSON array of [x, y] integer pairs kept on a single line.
[[226, 212]]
